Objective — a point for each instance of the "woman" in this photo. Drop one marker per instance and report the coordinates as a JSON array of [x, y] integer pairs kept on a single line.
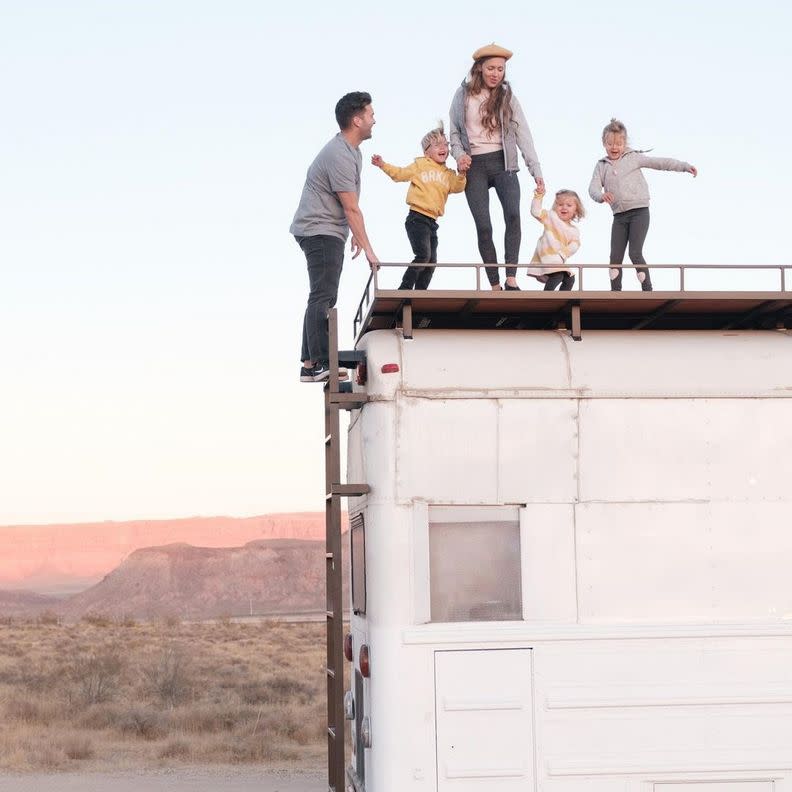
[[487, 128]]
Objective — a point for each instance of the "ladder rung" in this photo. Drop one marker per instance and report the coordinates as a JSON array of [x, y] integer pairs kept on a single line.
[[330, 673], [349, 490], [328, 439], [351, 358], [330, 614], [331, 732], [349, 400], [329, 556]]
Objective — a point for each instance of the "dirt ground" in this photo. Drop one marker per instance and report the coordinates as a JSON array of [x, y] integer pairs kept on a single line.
[[186, 779]]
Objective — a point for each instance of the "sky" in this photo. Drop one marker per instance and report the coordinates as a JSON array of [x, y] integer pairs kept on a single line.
[[152, 154]]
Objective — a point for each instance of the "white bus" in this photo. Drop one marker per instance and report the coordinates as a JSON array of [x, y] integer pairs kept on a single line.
[[573, 566]]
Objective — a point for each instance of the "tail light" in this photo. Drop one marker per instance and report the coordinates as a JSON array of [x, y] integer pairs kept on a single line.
[[389, 368], [363, 661], [348, 647]]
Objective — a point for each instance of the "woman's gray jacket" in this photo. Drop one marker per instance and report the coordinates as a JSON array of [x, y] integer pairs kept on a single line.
[[515, 135]]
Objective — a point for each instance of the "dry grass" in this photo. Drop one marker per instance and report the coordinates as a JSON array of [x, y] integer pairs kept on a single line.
[[102, 694]]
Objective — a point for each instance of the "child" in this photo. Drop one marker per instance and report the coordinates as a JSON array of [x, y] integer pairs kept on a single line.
[[559, 240], [618, 181], [430, 183]]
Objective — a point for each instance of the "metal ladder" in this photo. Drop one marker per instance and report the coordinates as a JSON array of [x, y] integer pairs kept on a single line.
[[336, 398]]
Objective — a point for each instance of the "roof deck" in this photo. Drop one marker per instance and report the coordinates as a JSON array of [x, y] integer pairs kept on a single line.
[[718, 301]]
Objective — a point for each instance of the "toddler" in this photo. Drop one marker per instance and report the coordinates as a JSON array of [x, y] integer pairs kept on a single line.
[[559, 240]]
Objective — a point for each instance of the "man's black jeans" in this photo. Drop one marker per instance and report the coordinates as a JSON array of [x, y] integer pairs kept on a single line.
[[422, 233], [325, 257]]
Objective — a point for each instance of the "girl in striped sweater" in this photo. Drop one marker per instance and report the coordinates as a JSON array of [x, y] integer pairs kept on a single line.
[[559, 240]]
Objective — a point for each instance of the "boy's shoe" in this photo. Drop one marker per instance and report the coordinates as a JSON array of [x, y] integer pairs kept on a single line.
[[306, 374], [509, 287]]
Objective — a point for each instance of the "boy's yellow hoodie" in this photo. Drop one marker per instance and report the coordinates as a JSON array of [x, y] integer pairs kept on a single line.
[[430, 184]]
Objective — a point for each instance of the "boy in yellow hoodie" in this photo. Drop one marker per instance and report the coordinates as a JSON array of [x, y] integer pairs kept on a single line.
[[430, 183]]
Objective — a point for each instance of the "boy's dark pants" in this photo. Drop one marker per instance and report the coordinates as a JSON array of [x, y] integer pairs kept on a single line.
[[566, 279], [325, 257], [422, 233], [630, 226]]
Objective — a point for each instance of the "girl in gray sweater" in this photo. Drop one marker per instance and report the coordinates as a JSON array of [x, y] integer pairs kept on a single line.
[[618, 181]]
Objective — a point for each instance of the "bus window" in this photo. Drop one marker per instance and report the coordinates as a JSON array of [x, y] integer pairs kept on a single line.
[[474, 563], [358, 565]]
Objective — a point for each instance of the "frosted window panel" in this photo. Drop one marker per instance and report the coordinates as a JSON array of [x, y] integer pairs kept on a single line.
[[474, 568]]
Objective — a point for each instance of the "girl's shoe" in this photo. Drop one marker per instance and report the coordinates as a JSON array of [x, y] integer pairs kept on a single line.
[[509, 287]]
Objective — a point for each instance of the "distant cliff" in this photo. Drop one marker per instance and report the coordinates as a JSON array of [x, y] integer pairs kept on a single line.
[[63, 559], [276, 576]]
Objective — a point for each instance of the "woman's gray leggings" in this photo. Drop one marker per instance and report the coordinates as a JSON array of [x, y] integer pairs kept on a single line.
[[488, 170], [630, 227]]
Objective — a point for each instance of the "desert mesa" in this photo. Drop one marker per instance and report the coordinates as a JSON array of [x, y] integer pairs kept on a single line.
[[66, 558]]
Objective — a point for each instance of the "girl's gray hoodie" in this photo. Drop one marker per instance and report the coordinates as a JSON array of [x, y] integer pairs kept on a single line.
[[624, 179], [515, 135]]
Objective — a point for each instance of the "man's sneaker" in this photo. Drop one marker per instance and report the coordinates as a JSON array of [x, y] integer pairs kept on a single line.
[[320, 372], [342, 372]]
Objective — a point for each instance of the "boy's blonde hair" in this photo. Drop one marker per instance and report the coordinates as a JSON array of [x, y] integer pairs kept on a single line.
[[615, 127], [580, 212], [438, 133]]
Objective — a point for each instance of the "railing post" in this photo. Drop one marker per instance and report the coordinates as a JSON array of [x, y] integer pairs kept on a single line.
[[681, 277]]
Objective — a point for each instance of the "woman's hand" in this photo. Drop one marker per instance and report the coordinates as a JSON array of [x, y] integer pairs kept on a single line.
[[608, 197], [463, 163]]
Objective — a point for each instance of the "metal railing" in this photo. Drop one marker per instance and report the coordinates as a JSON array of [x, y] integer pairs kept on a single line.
[[372, 285]]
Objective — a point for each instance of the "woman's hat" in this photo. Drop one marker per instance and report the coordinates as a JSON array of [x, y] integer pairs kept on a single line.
[[492, 51]]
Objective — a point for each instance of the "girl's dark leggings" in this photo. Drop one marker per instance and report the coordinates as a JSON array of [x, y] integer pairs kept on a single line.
[[488, 170], [566, 279], [630, 227]]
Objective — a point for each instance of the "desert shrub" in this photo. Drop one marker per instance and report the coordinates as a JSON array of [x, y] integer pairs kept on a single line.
[[97, 619], [78, 748], [254, 691], [175, 749], [168, 676], [48, 617], [210, 718], [95, 675], [284, 688], [37, 676], [99, 716], [256, 748], [144, 722], [24, 710]]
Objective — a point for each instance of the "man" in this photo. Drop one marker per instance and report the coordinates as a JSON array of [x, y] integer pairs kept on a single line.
[[328, 210]]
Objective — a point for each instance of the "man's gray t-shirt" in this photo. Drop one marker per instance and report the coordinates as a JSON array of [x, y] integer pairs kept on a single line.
[[336, 169]]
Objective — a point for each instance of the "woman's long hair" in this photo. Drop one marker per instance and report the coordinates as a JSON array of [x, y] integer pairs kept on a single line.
[[497, 103]]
